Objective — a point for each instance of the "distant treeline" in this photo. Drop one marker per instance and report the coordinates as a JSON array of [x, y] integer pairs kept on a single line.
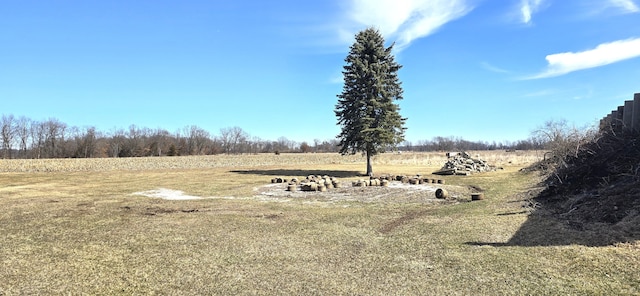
[[22, 137], [459, 144]]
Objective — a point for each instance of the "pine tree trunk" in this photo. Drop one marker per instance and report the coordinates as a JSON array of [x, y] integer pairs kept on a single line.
[[369, 167]]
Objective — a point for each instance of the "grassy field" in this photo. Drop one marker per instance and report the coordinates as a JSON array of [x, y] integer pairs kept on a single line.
[[75, 227]]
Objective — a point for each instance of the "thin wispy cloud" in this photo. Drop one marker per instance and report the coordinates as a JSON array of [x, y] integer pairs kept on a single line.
[[598, 7], [627, 6], [493, 68], [582, 96], [603, 54], [528, 8], [403, 20]]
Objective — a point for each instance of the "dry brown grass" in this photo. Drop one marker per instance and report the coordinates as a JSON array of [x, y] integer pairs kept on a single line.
[[430, 159], [83, 232]]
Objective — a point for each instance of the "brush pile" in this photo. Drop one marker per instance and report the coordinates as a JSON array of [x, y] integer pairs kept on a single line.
[[599, 184], [461, 163]]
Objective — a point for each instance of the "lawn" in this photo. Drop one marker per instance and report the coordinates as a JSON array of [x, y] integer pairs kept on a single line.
[[75, 227]]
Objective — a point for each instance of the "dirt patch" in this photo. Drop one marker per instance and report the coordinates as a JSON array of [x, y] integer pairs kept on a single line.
[[168, 194], [396, 192], [405, 219]]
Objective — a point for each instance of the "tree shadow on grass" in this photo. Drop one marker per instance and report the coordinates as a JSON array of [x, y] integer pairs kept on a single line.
[[303, 173], [591, 199], [543, 228]]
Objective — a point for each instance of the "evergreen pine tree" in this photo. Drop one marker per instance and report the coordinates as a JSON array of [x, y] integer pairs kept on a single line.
[[172, 150], [367, 114]]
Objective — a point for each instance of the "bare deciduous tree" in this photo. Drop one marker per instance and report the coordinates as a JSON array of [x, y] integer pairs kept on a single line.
[[116, 142], [54, 132], [37, 131], [561, 139], [304, 147], [23, 126], [197, 140], [85, 141], [160, 142], [232, 139], [7, 132]]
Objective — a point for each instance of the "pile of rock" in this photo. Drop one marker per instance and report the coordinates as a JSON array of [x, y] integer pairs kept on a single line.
[[461, 163]]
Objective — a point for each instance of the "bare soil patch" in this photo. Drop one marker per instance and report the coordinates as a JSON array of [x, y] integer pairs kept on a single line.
[[396, 192], [167, 194]]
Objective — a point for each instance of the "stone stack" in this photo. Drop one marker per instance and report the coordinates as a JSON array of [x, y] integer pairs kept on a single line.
[[463, 164]]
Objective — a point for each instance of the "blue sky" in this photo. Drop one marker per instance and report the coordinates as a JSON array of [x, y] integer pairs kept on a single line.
[[477, 69]]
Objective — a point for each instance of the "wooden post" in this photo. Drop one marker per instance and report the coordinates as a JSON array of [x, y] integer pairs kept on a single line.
[[635, 117], [620, 112], [601, 123], [614, 121], [627, 115], [604, 122], [618, 119]]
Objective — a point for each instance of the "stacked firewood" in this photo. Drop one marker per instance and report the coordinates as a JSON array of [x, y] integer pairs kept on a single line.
[[463, 164]]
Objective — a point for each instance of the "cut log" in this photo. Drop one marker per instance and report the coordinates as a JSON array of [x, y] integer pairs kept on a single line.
[[441, 193]]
